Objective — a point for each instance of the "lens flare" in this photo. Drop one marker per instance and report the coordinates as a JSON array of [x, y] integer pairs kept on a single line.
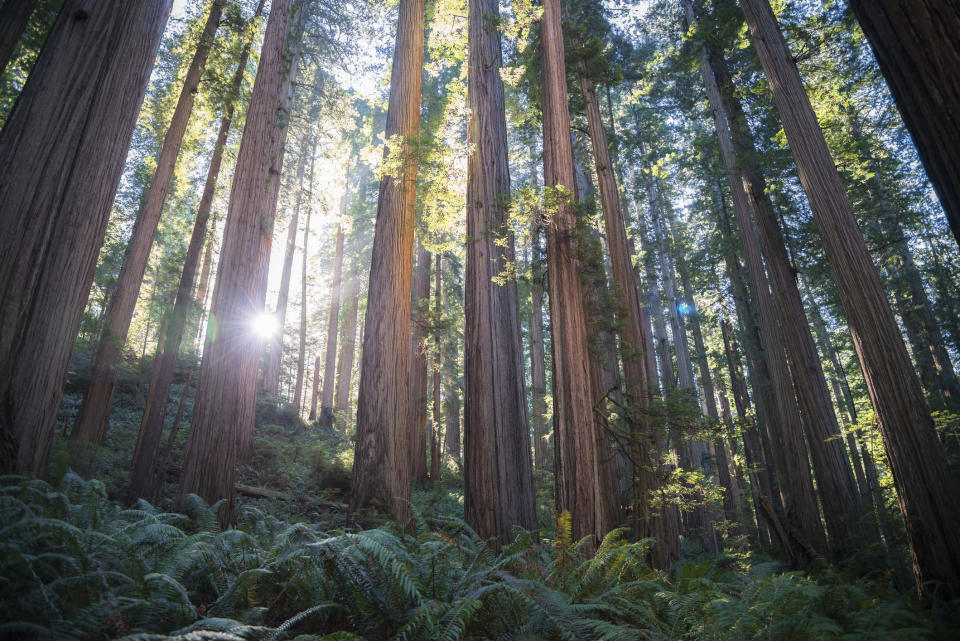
[[264, 325]]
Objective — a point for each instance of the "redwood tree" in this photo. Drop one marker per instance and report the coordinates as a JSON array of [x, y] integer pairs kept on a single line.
[[223, 416], [61, 155], [928, 495], [91, 422], [498, 491], [381, 466], [578, 490]]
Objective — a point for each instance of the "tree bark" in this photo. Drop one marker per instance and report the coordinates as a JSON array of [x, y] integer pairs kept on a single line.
[[929, 498], [326, 404], [574, 438], [381, 469], [14, 17], [94, 414], [223, 415], [635, 343], [498, 478], [838, 493], [144, 479], [345, 364], [915, 43], [61, 155], [418, 364]]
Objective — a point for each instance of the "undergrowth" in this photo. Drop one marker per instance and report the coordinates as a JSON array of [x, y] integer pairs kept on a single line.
[[75, 565]]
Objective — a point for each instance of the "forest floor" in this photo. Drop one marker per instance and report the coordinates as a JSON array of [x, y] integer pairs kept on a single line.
[[77, 564]]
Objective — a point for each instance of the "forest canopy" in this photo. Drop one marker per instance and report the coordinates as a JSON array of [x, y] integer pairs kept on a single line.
[[459, 319]]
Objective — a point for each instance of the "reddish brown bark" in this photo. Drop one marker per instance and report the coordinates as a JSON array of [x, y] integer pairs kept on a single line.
[[381, 469], [61, 154], [497, 471], [144, 482], [223, 416], [574, 438], [91, 423], [929, 497]]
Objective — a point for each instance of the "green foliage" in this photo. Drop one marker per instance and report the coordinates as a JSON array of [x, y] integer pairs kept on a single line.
[[76, 566]]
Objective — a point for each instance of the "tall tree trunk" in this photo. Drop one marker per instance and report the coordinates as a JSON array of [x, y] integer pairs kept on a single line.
[[326, 404], [835, 481], [302, 356], [538, 376], [929, 498], [91, 422], [575, 441], [498, 478], [381, 467], [224, 409], [316, 390], [635, 343], [435, 429], [345, 364], [451, 384], [143, 480], [418, 365], [916, 45], [14, 16], [61, 155]]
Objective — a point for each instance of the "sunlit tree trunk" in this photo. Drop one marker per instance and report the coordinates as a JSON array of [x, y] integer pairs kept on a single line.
[[381, 467], [929, 498], [14, 16], [576, 457], [61, 155], [223, 415], [144, 481], [91, 423], [498, 478], [326, 403], [916, 45]]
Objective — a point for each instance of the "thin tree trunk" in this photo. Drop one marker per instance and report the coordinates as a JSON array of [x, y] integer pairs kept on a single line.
[[418, 364], [345, 364], [302, 356], [929, 497], [331, 355], [381, 467], [916, 45], [223, 415], [61, 155], [538, 376], [161, 470], [435, 430], [14, 16], [451, 384], [143, 480], [94, 414], [316, 389]]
